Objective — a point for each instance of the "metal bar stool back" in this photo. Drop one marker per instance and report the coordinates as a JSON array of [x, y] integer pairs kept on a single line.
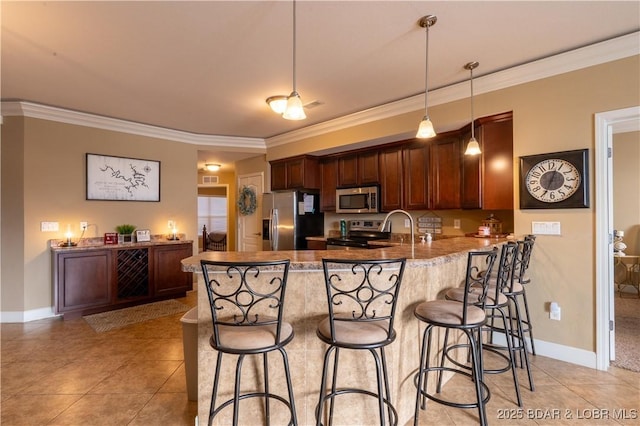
[[246, 301], [361, 298], [467, 317]]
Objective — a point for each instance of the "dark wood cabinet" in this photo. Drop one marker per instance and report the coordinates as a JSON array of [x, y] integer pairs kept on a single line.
[[415, 170], [445, 171], [302, 172], [329, 181], [487, 179], [91, 280], [316, 245], [82, 280], [168, 277], [358, 169], [391, 179]]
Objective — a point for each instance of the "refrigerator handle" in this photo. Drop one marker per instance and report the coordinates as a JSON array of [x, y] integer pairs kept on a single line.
[[274, 229]]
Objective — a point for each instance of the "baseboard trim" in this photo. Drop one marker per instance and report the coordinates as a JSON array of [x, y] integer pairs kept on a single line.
[[26, 316], [560, 352]]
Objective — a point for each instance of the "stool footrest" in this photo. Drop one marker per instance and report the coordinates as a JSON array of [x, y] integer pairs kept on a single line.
[[252, 395], [485, 388], [343, 391]]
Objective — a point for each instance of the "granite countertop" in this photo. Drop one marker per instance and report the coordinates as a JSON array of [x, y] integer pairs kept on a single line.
[[98, 243], [420, 255]]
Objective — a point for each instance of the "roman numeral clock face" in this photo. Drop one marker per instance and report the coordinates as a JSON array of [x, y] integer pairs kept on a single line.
[[552, 180], [556, 180]]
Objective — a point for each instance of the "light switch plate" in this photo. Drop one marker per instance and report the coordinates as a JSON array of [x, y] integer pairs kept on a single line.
[[545, 228], [49, 226]]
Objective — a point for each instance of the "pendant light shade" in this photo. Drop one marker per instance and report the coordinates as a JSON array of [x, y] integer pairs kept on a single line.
[[277, 103], [426, 127], [294, 110], [473, 148]]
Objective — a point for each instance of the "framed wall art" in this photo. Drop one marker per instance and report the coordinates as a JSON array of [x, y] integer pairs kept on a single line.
[[556, 180], [122, 179]]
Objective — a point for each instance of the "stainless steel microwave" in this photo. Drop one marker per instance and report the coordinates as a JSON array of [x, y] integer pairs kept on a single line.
[[358, 200]]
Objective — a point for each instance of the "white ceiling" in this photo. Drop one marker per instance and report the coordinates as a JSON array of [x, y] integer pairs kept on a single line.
[[206, 67]]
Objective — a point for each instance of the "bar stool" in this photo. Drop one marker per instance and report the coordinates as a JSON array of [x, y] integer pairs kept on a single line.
[[246, 301], [522, 278], [361, 298], [496, 305], [467, 317]]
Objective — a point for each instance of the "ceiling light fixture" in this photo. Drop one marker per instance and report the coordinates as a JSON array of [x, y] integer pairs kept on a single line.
[[294, 110], [473, 148], [212, 167], [277, 103], [426, 127]]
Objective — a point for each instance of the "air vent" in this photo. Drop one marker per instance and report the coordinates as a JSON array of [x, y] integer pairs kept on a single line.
[[209, 180]]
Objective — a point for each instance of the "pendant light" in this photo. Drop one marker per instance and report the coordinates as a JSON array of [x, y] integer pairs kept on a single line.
[[473, 148], [294, 110], [426, 127]]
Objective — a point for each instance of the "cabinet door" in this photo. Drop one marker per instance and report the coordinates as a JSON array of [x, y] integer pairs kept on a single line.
[[278, 175], [497, 150], [445, 173], [368, 168], [82, 280], [168, 277], [415, 168], [295, 173], [348, 170], [328, 169], [390, 179]]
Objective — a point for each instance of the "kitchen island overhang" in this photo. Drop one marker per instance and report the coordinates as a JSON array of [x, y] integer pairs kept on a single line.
[[431, 268]]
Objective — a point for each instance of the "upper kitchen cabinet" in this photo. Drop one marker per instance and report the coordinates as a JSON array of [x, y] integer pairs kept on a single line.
[[329, 180], [487, 179], [415, 171], [391, 179], [357, 169], [300, 172], [444, 166]]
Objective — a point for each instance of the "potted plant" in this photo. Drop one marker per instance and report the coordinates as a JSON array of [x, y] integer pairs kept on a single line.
[[126, 231]]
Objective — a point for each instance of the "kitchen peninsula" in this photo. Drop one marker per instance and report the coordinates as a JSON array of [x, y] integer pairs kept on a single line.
[[431, 268]]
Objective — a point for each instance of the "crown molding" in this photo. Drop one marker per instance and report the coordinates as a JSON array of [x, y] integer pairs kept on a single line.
[[595, 54], [45, 112], [599, 53]]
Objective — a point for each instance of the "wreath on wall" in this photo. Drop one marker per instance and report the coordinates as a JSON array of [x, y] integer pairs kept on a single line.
[[247, 201]]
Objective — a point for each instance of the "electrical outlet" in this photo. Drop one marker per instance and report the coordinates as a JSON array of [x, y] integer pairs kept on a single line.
[[84, 226], [456, 223], [407, 223], [171, 224], [554, 311]]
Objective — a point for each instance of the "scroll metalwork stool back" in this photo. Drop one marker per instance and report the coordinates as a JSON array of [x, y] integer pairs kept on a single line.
[[246, 301], [361, 297]]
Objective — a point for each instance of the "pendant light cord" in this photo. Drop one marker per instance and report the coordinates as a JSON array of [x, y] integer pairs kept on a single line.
[[472, 126], [426, 69], [294, 45]]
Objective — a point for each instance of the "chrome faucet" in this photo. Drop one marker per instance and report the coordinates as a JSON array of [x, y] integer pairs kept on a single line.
[[386, 219]]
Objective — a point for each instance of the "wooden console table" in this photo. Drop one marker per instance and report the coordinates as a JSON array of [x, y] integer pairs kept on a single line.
[[92, 279]]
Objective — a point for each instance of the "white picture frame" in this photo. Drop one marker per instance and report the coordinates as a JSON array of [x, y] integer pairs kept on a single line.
[[143, 235]]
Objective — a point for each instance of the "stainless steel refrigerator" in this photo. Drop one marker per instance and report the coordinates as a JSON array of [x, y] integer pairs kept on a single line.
[[289, 217]]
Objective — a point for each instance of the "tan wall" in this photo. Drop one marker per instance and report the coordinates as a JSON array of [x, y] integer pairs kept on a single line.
[[626, 188], [54, 190], [552, 114]]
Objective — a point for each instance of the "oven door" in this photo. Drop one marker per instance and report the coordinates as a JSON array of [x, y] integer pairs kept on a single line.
[[345, 244]]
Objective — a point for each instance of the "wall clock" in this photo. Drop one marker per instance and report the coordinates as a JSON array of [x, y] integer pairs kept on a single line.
[[557, 180]]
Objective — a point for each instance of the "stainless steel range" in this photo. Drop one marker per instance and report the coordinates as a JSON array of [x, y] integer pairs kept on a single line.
[[359, 234]]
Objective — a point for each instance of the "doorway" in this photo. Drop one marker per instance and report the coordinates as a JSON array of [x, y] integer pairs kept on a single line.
[[213, 212], [606, 124]]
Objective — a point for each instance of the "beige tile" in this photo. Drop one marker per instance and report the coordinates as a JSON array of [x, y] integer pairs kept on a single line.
[[140, 376], [25, 410], [166, 409], [98, 410]]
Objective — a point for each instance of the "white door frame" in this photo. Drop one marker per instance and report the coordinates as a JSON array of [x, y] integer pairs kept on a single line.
[[606, 124]]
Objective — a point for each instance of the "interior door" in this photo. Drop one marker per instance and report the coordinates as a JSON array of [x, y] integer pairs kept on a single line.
[[250, 226]]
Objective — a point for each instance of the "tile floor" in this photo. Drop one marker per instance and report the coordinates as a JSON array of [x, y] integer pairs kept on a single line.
[[56, 372]]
